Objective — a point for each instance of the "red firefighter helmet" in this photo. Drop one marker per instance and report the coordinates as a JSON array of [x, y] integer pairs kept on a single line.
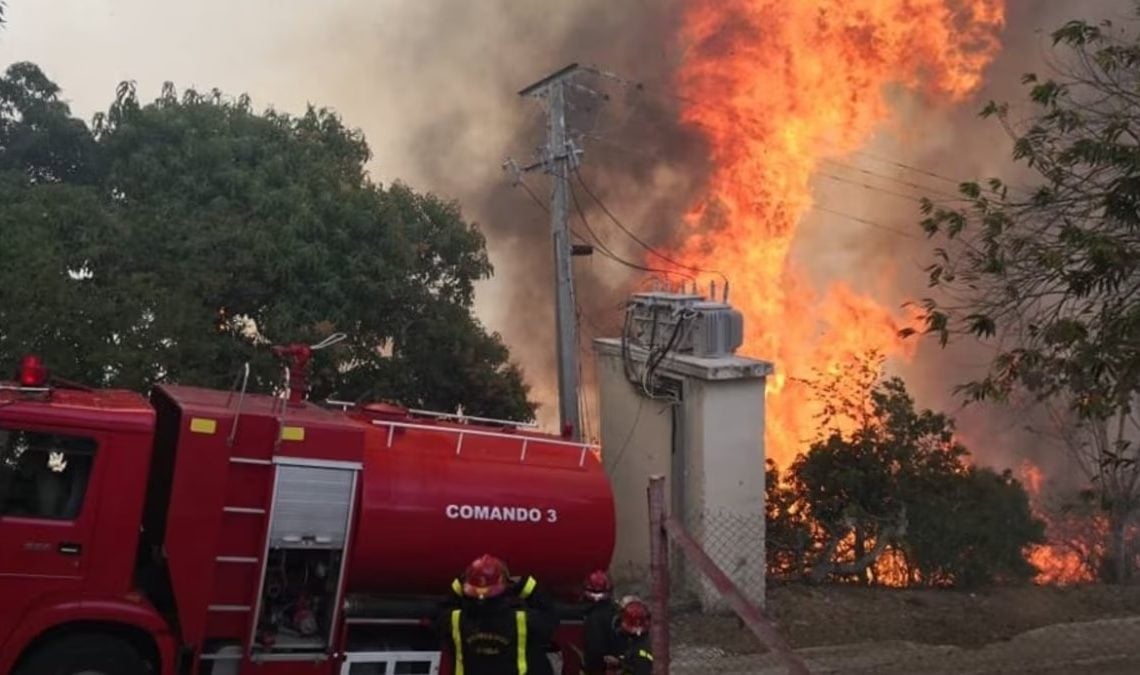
[[598, 585], [486, 577], [634, 618]]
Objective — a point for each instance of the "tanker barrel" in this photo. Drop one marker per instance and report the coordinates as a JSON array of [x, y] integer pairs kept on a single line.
[[361, 606]]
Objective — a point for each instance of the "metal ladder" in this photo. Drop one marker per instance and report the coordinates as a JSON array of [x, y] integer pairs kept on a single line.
[[239, 568]]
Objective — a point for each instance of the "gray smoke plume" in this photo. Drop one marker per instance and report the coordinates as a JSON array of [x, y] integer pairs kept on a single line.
[[433, 84], [455, 69], [956, 143]]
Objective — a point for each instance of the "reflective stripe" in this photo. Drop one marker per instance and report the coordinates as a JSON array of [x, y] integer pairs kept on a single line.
[[528, 588], [457, 587], [457, 639], [520, 623], [645, 655]]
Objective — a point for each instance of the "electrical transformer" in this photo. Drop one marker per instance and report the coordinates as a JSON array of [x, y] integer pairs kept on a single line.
[[684, 323]]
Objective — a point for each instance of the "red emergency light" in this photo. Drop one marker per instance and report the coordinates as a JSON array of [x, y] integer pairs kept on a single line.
[[32, 372]]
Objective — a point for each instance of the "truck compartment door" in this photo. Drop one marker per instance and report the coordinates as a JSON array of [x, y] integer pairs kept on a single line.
[[302, 585]]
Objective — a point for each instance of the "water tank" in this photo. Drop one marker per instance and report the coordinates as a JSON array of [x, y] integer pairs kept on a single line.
[[436, 495]]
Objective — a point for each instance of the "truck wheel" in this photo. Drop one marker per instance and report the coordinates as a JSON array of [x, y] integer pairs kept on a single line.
[[85, 654]]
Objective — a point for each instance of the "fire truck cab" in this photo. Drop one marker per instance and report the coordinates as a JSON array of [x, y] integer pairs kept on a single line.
[[225, 533], [72, 464]]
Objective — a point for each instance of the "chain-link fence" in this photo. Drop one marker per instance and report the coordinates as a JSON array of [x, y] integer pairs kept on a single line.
[[718, 620], [709, 568], [706, 636]]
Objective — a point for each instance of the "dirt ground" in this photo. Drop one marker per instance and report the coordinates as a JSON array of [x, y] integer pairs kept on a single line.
[[833, 615], [1093, 629]]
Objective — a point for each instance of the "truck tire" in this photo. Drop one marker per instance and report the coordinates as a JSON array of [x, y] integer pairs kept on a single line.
[[84, 654]]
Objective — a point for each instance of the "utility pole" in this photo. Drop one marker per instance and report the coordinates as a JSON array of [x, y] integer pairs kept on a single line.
[[559, 158]]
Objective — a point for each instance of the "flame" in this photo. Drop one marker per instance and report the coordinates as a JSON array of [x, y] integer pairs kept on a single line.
[[1074, 545], [776, 87]]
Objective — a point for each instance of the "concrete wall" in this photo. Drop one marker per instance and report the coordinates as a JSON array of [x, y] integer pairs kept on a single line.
[[636, 443], [714, 466], [724, 482]]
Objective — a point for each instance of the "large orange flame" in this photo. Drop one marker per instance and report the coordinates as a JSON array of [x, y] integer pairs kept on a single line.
[[776, 87]]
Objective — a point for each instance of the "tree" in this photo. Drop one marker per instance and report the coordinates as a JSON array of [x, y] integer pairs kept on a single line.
[[885, 476], [1052, 276], [173, 241], [971, 528]]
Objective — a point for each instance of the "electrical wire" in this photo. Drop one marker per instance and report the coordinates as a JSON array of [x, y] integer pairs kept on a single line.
[[546, 209], [842, 214], [605, 250], [628, 436], [655, 356], [599, 243], [886, 228], [866, 186], [652, 364], [908, 167], [662, 92], [583, 408], [648, 247], [533, 196], [858, 169]]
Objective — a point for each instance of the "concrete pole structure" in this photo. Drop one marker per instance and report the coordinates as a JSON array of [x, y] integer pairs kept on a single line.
[[558, 158]]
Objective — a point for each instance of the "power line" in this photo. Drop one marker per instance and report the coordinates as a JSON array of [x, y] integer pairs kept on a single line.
[[585, 416], [907, 167], [521, 183], [868, 172], [648, 247], [605, 251], [925, 172], [887, 228], [818, 207], [533, 196], [866, 186], [629, 436], [662, 93]]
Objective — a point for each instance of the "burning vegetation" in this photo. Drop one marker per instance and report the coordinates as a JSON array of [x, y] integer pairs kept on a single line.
[[887, 494]]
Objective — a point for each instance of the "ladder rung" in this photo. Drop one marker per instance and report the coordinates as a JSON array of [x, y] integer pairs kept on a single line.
[[245, 560], [229, 608], [251, 460], [244, 509]]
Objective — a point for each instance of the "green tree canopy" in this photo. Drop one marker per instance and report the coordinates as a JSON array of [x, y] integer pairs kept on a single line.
[[1053, 271], [886, 477], [175, 240]]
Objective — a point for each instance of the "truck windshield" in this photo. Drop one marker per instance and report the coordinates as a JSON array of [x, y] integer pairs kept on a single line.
[[43, 475]]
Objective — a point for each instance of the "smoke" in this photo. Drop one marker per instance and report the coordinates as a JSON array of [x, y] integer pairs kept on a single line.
[[433, 84], [453, 71], [955, 143]]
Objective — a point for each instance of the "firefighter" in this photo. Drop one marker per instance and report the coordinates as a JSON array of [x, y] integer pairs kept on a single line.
[[636, 656], [525, 589], [598, 623], [497, 625]]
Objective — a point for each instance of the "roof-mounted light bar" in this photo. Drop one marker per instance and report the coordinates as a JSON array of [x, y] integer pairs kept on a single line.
[[33, 377]]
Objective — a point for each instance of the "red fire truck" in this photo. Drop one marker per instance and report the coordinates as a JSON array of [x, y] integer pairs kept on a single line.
[[223, 532]]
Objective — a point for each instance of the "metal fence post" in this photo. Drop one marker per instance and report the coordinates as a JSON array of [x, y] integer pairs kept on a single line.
[[659, 574], [762, 627]]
